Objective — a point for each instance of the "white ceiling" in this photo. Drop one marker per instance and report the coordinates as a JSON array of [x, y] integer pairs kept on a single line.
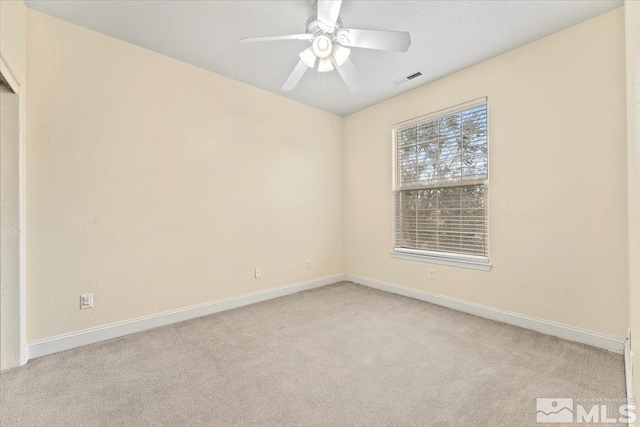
[[447, 36]]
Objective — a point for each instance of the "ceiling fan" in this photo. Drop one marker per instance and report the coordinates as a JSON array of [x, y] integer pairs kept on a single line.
[[330, 44]]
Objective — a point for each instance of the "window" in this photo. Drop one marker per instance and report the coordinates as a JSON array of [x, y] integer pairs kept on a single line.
[[440, 186]]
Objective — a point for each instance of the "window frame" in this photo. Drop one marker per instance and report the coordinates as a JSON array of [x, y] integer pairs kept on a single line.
[[444, 258]]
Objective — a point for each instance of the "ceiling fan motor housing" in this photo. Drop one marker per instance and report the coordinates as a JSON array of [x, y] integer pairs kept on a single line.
[[316, 27]]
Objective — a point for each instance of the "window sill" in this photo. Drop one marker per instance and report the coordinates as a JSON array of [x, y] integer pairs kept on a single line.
[[453, 262]]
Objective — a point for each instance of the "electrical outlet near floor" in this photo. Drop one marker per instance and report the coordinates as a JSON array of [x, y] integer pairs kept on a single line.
[[308, 263], [258, 272], [86, 301], [432, 273]]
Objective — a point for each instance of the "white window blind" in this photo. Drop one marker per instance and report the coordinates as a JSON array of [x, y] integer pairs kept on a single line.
[[440, 184]]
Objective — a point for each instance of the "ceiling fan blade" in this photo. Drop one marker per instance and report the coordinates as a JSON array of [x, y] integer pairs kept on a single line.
[[295, 76], [328, 11], [275, 38], [397, 41], [350, 75]]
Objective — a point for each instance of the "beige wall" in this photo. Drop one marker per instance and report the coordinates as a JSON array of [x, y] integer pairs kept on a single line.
[[158, 185], [12, 37], [9, 229], [632, 21], [557, 192], [12, 51]]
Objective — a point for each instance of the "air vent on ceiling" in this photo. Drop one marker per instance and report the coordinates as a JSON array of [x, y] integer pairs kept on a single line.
[[405, 79]]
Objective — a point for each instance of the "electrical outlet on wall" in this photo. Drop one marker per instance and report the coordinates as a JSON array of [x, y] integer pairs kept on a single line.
[[308, 263], [432, 273], [258, 272], [86, 301]]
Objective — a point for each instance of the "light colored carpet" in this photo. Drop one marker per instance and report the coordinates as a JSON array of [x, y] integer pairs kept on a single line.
[[339, 355]]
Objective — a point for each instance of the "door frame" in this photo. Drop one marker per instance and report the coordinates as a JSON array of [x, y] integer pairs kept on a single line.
[[19, 90]]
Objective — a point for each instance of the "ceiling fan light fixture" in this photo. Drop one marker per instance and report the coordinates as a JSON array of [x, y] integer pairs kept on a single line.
[[308, 57], [340, 54], [325, 65], [322, 46]]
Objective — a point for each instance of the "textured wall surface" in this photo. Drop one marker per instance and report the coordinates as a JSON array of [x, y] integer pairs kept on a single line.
[[157, 185], [632, 25], [13, 52], [12, 37], [9, 230], [557, 192]]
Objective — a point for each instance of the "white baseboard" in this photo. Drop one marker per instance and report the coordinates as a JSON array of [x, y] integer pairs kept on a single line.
[[628, 374], [71, 340], [570, 333]]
